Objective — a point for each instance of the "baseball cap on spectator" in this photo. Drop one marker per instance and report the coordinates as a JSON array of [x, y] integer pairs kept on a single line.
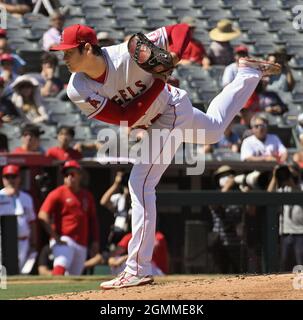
[[6, 57], [3, 33], [241, 48], [11, 169], [191, 21], [71, 164], [75, 35], [32, 130]]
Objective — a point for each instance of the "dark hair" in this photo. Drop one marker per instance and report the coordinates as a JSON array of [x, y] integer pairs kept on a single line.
[[96, 49], [49, 58], [68, 129]]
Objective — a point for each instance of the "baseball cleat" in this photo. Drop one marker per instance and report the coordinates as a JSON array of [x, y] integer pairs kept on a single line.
[[267, 68], [124, 280]]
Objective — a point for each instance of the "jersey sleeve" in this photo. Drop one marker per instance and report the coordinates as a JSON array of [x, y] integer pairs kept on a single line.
[[89, 102], [50, 204]]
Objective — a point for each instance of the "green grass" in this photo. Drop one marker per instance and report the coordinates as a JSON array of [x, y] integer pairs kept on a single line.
[[30, 287]]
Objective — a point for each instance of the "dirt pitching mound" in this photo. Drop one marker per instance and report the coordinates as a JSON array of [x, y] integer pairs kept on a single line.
[[197, 287]]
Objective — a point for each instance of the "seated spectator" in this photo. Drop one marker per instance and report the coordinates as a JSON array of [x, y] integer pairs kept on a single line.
[[104, 40], [49, 84], [262, 146], [230, 140], [27, 99], [68, 215], [17, 7], [8, 110], [231, 70], [220, 51], [285, 80], [64, 151], [23, 208], [53, 35], [3, 142], [194, 52], [18, 62], [30, 140], [269, 101], [6, 71]]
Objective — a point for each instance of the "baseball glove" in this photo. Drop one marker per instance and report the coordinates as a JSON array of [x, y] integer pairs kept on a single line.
[[149, 57]]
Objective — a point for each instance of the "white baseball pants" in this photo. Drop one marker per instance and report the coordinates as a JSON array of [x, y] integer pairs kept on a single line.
[[145, 177], [70, 256]]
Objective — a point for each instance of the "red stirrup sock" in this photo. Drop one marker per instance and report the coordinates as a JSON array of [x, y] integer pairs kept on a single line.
[[58, 271]]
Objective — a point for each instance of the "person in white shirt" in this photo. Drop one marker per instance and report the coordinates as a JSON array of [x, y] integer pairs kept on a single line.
[[52, 36], [23, 208], [262, 146], [231, 70]]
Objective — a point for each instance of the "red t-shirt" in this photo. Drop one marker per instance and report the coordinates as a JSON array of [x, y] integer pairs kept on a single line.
[[74, 214], [194, 51], [63, 154], [20, 150], [160, 254]]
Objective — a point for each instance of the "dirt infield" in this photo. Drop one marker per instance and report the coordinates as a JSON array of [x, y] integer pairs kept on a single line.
[[197, 288]]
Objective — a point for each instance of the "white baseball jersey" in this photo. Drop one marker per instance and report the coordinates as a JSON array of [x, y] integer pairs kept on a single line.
[[124, 81]]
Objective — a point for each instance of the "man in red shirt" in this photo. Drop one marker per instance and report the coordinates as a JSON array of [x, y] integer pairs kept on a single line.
[[69, 216], [64, 151], [194, 52]]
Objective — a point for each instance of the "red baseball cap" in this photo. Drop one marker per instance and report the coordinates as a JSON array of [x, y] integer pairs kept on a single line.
[[75, 35], [71, 164], [241, 48], [11, 169]]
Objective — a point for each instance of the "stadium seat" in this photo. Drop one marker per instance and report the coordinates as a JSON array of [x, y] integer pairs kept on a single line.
[[11, 131], [83, 133], [71, 119], [284, 133]]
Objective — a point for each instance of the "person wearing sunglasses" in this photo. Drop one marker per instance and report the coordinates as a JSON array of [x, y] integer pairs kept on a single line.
[[68, 215], [262, 146], [22, 207]]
